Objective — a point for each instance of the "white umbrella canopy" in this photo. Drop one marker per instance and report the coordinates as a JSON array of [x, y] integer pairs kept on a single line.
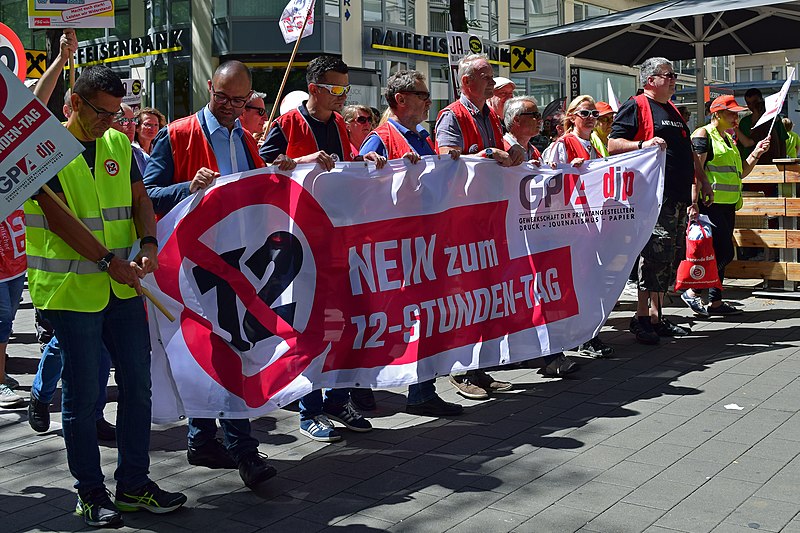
[[676, 29]]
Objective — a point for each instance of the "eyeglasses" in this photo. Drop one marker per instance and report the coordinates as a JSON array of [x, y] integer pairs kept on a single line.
[[335, 90], [535, 114], [260, 110], [103, 115], [423, 95], [585, 113], [363, 120], [122, 121], [222, 99], [150, 125], [668, 75]]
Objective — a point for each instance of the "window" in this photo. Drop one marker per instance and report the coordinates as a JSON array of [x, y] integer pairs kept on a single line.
[[398, 12], [721, 68], [373, 11], [543, 14], [332, 8], [583, 11], [750, 74]]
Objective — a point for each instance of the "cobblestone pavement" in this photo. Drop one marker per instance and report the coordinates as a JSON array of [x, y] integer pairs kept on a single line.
[[639, 442]]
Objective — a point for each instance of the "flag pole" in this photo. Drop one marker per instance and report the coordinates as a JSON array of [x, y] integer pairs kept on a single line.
[[289, 66]]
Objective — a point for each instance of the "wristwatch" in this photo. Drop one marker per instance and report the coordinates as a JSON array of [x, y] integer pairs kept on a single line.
[[640, 144], [105, 262], [488, 153]]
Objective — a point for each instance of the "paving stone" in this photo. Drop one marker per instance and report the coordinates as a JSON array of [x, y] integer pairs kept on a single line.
[[625, 517], [595, 496], [767, 515], [660, 493], [556, 517], [749, 468], [660, 454], [629, 474], [399, 506]]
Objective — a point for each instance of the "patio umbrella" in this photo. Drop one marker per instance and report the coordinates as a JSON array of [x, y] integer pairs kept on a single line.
[[675, 29]]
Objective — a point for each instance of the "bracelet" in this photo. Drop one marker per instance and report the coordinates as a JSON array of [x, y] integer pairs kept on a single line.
[[149, 239]]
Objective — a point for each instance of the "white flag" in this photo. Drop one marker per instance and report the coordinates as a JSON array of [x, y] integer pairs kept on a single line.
[[774, 102], [612, 98], [292, 18]]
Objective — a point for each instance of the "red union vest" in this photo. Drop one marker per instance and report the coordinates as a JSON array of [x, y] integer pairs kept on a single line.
[[394, 141], [301, 139], [470, 136], [191, 150], [532, 151], [644, 117], [574, 147]]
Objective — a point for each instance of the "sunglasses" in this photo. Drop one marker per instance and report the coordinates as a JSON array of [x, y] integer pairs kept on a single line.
[[222, 99], [535, 114], [363, 120], [122, 121], [335, 90], [585, 113], [423, 95], [260, 110], [668, 75], [103, 115]]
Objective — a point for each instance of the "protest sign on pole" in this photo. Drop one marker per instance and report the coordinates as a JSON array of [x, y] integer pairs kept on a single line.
[[34, 145], [297, 20], [460, 45], [361, 277], [72, 14], [133, 93], [612, 98], [774, 102], [12, 53]]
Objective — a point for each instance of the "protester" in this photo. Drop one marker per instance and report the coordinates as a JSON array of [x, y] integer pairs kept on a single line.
[[94, 299], [149, 121], [602, 128], [12, 281], [315, 132], [685, 113], [359, 121], [722, 162], [503, 91], [254, 116], [179, 166], [747, 136], [127, 125], [793, 141], [470, 126], [523, 122], [651, 119]]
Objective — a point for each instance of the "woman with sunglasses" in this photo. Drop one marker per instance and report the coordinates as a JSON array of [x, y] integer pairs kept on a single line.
[[359, 123], [574, 148], [148, 121]]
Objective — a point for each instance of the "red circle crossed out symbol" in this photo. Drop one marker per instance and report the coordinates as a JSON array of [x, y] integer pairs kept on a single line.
[[11, 45], [214, 354]]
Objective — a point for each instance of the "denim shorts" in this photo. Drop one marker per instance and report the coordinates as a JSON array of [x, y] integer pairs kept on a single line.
[[10, 293]]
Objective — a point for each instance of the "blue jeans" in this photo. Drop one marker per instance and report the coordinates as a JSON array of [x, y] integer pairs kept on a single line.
[[10, 292], [236, 433], [313, 404], [49, 372], [122, 327], [421, 392]]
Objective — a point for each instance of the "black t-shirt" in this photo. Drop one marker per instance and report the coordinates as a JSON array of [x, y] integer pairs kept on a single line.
[[667, 124], [90, 154], [325, 133]]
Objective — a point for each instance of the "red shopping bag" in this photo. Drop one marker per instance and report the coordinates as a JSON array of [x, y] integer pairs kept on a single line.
[[699, 269]]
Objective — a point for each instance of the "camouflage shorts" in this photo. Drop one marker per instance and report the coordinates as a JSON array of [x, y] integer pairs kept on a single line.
[[665, 249]]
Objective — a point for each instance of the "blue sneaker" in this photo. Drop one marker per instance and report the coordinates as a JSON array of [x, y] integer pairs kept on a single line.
[[319, 429], [350, 418]]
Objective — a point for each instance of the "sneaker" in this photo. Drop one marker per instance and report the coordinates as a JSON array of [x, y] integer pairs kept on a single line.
[[643, 329], [694, 303], [106, 431], [665, 328], [467, 388], [150, 498], [11, 383], [435, 407], [560, 367], [9, 399], [363, 399], [97, 510], [350, 418], [254, 470], [595, 348], [724, 310], [319, 428], [212, 454], [489, 384], [38, 415]]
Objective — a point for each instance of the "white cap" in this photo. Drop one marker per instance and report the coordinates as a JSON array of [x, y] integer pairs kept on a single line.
[[500, 81], [292, 101]]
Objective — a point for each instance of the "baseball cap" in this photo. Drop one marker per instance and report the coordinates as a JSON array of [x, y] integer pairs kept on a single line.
[[500, 81], [726, 101], [603, 107]]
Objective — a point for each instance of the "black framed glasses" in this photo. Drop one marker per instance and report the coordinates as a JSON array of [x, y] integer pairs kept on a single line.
[[535, 114], [423, 95], [260, 110], [101, 114], [585, 113], [668, 75], [222, 98]]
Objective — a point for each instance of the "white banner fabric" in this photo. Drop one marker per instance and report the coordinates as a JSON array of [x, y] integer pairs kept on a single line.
[[292, 18], [284, 283]]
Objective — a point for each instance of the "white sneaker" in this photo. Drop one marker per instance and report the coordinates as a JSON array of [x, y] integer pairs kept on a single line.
[[8, 399]]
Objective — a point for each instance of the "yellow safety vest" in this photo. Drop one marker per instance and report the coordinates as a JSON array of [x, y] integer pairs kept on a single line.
[[724, 171], [599, 145], [58, 277]]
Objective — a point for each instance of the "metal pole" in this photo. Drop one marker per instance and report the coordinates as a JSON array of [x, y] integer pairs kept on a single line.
[[700, 65]]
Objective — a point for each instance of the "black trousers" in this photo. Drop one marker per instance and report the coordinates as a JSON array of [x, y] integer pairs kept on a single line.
[[723, 216]]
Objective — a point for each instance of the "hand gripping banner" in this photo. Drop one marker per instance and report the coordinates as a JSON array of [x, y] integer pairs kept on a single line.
[[379, 278]]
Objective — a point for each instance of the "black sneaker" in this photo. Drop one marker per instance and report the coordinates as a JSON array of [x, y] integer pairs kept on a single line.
[[150, 498], [212, 454], [254, 470], [106, 431], [436, 406], [643, 329], [665, 328], [725, 309], [38, 415], [363, 399], [97, 510], [596, 348]]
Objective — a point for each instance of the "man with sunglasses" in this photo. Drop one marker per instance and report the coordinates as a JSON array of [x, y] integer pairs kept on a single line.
[[188, 155], [88, 289], [127, 125], [651, 119], [255, 114]]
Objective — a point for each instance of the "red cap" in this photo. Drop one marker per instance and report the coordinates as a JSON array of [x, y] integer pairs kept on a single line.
[[726, 101], [603, 108]]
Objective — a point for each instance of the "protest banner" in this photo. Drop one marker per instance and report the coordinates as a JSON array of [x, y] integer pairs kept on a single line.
[[70, 14], [34, 145], [460, 45], [774, 103], [297, 20], [380, 278]]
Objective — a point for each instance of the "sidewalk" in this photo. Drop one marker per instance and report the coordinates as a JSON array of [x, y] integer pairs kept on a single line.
[[639, 442]]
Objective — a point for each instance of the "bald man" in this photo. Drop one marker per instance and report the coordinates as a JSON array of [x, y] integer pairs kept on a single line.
[[180, 165]]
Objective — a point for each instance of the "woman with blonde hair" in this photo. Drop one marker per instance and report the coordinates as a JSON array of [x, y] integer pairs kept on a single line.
[[358, 121], [148, 121]]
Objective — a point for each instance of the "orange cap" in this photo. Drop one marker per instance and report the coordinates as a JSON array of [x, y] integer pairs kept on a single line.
[[603, 108], [726, 101]]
